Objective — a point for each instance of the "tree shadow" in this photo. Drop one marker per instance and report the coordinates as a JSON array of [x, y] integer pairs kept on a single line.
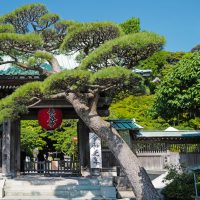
[[78, 188], [59, 187]]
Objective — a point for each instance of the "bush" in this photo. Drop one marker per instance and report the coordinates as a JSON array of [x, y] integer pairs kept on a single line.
[[181, 186]]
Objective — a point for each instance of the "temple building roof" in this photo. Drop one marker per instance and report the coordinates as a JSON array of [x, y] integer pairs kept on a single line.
[[169, 134], [176, 136], [14, 70], [14, 81], [124, 124]]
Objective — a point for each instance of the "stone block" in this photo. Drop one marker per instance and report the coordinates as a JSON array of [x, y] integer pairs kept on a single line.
[[108, 192]]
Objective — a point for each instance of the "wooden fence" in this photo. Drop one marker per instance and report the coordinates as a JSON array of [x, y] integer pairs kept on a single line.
[[60, 167], [157, 156], [159, 161]]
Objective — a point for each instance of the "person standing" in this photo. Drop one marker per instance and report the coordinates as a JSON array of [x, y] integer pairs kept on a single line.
[[41, 161]]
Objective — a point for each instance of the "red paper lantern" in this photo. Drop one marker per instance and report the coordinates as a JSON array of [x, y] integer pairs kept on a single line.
[[50, 118]]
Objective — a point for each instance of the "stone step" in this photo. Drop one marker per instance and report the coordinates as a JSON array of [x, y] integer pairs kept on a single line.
[[104, 191], [59, 188], [53, 181], [125, 195], [54, 198], [64, 194], [47, 182], [53, 187]]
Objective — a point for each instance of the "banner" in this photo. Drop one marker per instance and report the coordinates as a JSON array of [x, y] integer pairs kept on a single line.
[[95, 151]]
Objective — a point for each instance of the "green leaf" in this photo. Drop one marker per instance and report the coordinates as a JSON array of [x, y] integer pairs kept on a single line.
[[131, 26], [124, 51]]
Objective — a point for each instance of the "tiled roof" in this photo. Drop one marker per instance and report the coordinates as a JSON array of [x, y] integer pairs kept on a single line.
[[13, 70], [14, 81], [124, 124], [169, 134]]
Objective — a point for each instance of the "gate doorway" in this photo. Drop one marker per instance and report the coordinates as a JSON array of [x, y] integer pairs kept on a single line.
[[50, 153], [12, 146]]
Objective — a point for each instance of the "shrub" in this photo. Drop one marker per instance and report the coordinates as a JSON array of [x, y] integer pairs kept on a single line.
[[181, 186]]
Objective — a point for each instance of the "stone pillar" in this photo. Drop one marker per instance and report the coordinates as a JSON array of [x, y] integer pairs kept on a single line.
[[10, 148], [83, 146]]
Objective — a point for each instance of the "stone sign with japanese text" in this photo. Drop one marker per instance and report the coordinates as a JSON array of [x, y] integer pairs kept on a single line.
[[95, 151]]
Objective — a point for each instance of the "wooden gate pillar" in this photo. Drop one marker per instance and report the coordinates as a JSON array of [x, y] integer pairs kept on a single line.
[[1, 135], [83, 146], [11, 148]]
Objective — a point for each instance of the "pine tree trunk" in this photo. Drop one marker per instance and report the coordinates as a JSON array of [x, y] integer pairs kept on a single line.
[[136, 174], [140, 181]]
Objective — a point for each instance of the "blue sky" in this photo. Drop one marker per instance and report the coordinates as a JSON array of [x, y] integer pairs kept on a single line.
[[177, 20]]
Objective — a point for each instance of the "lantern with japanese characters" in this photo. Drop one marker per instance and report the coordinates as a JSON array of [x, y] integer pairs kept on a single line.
[[50, 118]]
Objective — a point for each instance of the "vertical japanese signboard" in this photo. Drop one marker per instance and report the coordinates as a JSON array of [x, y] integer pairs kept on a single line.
[[95, 151]]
